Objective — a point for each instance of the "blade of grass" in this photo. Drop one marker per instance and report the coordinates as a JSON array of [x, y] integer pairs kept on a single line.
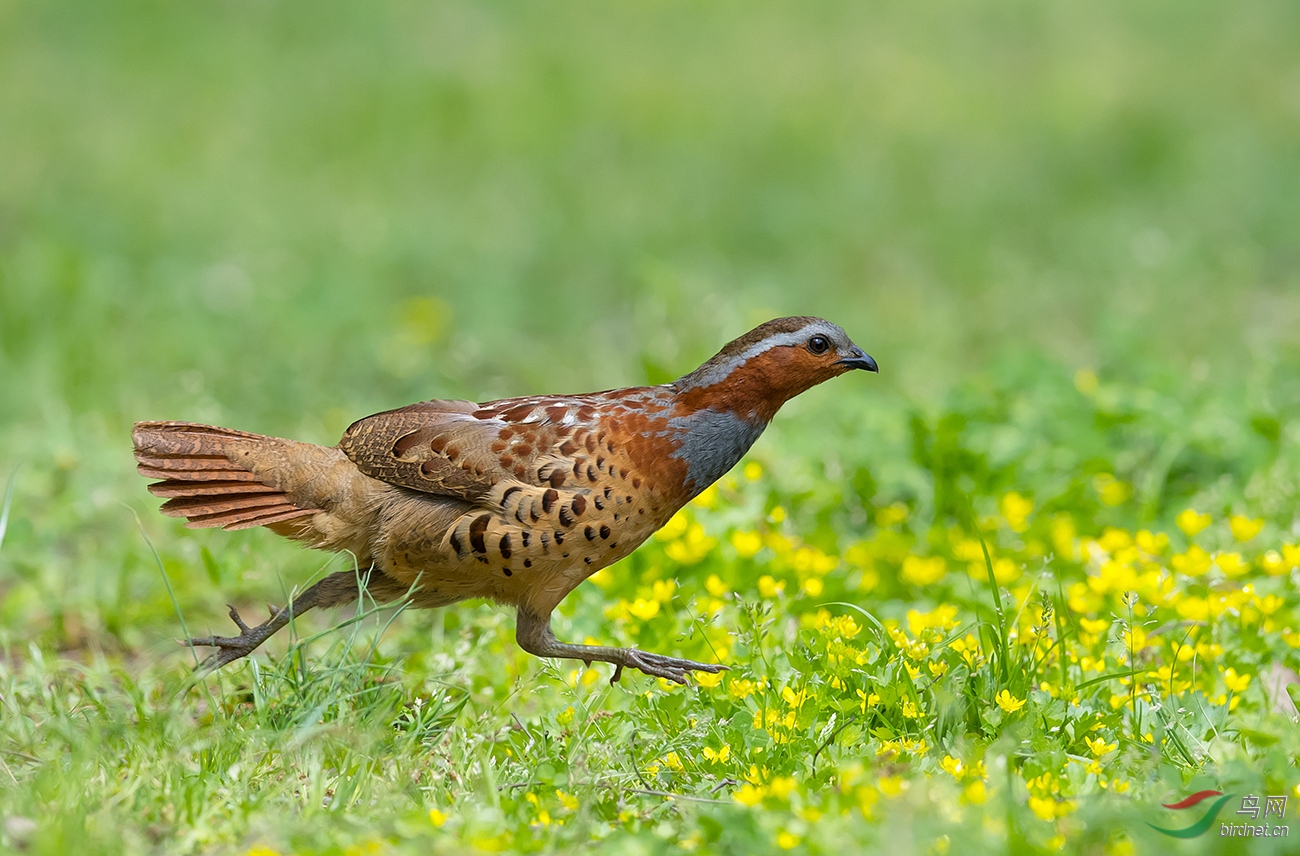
[[9, 501]]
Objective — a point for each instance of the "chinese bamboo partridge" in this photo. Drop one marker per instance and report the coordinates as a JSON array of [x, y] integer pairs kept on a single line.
[[517, 500]]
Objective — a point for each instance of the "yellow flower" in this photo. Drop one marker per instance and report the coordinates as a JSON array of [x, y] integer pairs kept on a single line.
[[1095, 626], [1231, 564], [753, 470], [1133, 638], [1063, 535], [975, 793], [673, 762], [708, 497], [741, 688], [1268, 604], [794, 699], [565, 716], [569, 801], [777, 514], [1243, 528], [1273, 563], [437, 818], [1046, 808], [1008, 702], [910, 711], [707, 679], [938, 668], [1016, 510], [1191, 521], [1193, 563], [662, 590], [781, 787], [263, 850], [718, 756], [747, 544], [768, 587], [644, 609], [891, 515], [923, 572], [1234, 682], [1111, 490], [813, 586], [953, 767], [1098, 746], [787, 841]]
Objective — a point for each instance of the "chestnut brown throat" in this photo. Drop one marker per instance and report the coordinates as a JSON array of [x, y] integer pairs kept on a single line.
[[517, 500]]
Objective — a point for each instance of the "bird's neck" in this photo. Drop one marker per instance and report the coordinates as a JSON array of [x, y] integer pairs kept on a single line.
[[710, 442]]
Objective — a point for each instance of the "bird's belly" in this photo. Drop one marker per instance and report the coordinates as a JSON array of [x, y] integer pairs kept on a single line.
[[537, 568]]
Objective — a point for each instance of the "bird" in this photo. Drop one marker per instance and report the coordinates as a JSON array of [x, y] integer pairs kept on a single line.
[[516, 501]]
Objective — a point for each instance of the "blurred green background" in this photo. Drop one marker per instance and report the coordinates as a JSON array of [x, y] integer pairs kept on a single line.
[[281, 217]]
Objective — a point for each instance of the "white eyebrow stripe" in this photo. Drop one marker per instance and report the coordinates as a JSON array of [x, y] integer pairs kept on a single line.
[[719, 373]]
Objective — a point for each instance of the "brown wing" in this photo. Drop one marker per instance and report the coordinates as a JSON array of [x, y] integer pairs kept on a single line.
[[465, 450], [435, 447]]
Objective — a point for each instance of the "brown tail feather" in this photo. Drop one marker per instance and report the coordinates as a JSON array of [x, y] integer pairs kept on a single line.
[[204, 481]]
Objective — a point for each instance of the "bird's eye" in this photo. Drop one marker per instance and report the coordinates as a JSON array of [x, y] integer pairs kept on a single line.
[[819, 344]]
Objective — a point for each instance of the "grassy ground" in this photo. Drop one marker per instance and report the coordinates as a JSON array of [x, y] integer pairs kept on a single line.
[[1067, 231]]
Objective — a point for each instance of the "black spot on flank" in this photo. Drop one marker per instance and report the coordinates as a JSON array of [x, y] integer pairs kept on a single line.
[[604, 531], [590, 532], [577, 468], [455, 543], [559, 537], [508, 572], [528, 563], [548, 500], [613, 544], [600, 463], [591, 473], [505, 546], [510, 491], [613, 472], [608, 493], [579, 505], [587, 559], [557, 479], [566, 519], [526, 536], [564, 555], [477, 530], [600, 504], [629, 499]]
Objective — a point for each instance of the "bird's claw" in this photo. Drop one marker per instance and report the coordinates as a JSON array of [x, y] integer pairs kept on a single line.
[[657, 665], [229, 648]]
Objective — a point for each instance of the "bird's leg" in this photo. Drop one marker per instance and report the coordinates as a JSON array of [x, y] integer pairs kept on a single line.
[[534, 635], [333, 590]]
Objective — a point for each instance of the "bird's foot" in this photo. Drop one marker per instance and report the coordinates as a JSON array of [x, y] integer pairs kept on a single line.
[[659, 666], [232, 648]]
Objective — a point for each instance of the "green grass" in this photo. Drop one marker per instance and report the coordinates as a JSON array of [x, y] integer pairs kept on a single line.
[[1067, 232]]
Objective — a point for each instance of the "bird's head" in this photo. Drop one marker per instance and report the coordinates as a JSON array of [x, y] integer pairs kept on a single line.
[[771, 364]]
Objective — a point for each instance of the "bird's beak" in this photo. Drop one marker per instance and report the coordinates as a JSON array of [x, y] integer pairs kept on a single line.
[[859, 360]]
